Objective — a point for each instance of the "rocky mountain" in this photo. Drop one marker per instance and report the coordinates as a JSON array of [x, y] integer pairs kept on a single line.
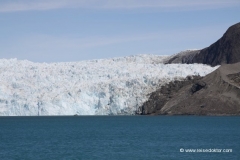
[[215, 94], [225, 51]]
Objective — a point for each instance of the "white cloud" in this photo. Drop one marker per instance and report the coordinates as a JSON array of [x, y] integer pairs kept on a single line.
[[28, 5]]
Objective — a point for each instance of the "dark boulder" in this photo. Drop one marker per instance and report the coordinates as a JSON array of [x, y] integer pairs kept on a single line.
[[198, 86]]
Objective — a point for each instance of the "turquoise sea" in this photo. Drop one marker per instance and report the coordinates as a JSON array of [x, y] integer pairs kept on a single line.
[[120, 137]]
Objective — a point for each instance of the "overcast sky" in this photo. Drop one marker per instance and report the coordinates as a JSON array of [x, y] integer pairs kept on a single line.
[[74, 30]]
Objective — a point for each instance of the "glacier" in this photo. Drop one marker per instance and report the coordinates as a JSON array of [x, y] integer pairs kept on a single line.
[[116, 86]]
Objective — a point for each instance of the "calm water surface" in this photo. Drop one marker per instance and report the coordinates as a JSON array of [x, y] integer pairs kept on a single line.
[[118, 137]]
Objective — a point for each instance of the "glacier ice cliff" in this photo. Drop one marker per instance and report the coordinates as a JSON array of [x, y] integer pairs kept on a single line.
[[96, 87]]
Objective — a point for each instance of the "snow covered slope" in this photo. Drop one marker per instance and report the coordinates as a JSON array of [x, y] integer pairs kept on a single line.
[[96, 87]]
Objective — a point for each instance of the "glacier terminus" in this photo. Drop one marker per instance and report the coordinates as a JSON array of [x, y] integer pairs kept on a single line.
[[116, 86]]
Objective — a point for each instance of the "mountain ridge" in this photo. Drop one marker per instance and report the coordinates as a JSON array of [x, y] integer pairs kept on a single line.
[[226, 50]]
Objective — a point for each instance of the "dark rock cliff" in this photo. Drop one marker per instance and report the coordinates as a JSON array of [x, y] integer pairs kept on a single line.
[[160, 97]]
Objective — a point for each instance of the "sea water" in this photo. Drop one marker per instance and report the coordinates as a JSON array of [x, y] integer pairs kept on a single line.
[[120, 137]]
